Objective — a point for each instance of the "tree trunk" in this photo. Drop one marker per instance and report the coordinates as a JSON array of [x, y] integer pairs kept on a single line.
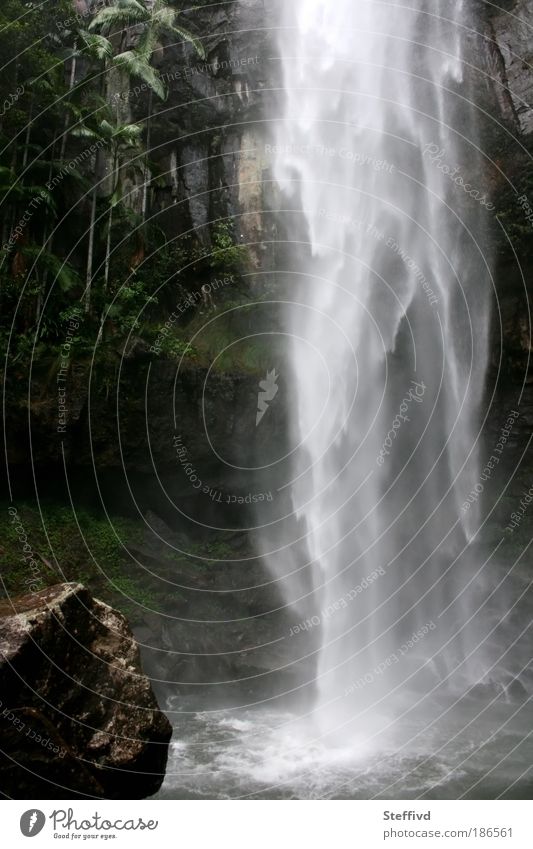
[[108, 248], [90, 254], [114, 188], [72, 80], [28, 136], [147, 175], [42, 290]]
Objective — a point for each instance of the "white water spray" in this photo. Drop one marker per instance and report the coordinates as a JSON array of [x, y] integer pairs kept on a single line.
[[394, 612], [377, 147]]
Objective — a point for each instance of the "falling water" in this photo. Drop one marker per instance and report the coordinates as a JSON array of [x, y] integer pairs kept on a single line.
[[399, 660], [393, 297]]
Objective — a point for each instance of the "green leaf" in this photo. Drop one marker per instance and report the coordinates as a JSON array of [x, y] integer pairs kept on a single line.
[[136, 65], [84, 132], [62, 272], [123, 13], [97, 45], [116, 197], [106, 129], [189, 37]]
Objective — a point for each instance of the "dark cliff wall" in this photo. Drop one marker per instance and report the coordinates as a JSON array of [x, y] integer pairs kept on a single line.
[[508, 68], [210, 151], [210, 138]]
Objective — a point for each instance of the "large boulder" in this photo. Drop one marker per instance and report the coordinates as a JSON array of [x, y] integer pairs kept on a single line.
[[78, 718]]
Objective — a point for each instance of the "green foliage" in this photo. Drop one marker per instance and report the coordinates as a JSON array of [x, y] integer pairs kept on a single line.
[[154, 20], [175, 348], [186, 262], [127, 306], [100, 552], [60, 271], [66, 154], [76, 547], [227, 256], [213, 550], [137, 66]]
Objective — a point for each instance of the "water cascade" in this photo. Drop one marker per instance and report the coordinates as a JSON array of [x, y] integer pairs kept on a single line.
[[402, 652], [377, 148]]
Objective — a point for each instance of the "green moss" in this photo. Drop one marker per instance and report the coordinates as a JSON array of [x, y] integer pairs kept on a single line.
[[95, 551], [74, 547], [213, 550]]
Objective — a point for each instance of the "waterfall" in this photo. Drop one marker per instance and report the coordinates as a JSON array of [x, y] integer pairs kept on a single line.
[[387, 306], [388, 651]]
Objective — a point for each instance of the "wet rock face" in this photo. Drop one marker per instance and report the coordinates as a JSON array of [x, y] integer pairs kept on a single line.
[[78, 717], [511, 29], [209, 137], [132, 427]]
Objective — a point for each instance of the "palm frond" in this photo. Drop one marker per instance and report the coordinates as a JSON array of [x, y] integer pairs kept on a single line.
[[190, 38], [65, 275], [84, 132], [127, 134], [163, 18], [122, 14], [137, 66], [97, 45], [106, 129], [147, 42]]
